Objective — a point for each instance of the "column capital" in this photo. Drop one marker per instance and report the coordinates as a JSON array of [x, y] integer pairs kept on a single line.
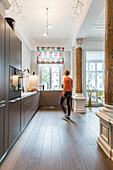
[[79, 42]]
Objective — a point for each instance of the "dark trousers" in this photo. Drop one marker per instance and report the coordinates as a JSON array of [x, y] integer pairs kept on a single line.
[[67, 95]]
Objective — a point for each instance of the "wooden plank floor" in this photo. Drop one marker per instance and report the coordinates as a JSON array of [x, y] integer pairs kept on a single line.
[[51, 143]]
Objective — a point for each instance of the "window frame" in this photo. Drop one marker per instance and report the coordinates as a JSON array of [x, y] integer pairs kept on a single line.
[[96, 72], [50, 74]]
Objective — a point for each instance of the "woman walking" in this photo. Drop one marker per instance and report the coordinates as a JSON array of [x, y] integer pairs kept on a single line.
[[67, 93]]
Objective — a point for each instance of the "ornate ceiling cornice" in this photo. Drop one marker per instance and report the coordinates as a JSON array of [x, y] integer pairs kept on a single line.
[[17, 8], [5, 4], [77, 9], [66, 43]]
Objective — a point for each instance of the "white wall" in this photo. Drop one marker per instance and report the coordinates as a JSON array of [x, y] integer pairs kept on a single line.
[[26, 60], [34, 65], [94, 45], [26, 63], [26, 56], [67, 60]]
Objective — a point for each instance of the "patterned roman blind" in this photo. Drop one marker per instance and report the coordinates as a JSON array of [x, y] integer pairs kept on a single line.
[[50, 55]]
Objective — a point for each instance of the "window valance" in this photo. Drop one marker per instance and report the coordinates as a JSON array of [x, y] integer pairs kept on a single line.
[[50, 55]]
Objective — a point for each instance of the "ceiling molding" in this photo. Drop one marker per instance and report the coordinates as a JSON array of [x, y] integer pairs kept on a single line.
[[77, 9], [94, 20], [66, 43], [94, 38], [5, 4], [67, 19], [17, 9]]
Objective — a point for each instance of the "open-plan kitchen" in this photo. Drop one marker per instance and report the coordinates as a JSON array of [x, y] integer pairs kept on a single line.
[[56, 73]]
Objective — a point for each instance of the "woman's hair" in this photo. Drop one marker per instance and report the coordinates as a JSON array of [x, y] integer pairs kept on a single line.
[[66, 72]]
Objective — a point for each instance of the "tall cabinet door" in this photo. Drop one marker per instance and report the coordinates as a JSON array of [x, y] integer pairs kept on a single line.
[[1, 58], [1, 84], [15, 51], [14, 120], [1, 129], [6, 86]]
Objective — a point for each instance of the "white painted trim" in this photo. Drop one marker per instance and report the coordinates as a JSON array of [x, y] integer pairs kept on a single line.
[[104, 146], [105, 139], [79, 42]]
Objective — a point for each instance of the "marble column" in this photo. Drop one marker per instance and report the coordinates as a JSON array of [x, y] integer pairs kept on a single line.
[[105, 140], [109, 53], [73, 63], [79, 70], [79, 99]]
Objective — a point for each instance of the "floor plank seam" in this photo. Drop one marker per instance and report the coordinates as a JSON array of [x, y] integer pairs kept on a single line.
[[36, 138], [30, 132]]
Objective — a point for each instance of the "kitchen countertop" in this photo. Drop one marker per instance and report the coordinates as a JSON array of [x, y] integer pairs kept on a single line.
[[23, 95], [26, 94], [52, 90]]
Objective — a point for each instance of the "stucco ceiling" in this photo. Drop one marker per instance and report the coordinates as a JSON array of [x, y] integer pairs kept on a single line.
[[93, 25], [98, 28], [65, 16]]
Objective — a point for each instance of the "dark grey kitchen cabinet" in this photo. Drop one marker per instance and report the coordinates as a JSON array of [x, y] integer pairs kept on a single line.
[[26, 111], [22, 111], [15, 51], [14, 120], [1, 58], [36, 100], [6, 85], [26, 107], [29, 105], [2, 94], [10, 54], [2, 110]]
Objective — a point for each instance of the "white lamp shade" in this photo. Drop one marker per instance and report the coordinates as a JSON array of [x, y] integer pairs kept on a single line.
[[33, 81]]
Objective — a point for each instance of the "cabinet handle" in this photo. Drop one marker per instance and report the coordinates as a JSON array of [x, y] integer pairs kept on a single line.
[[3, 101], [18, 98], [12, 101], [2, 105]]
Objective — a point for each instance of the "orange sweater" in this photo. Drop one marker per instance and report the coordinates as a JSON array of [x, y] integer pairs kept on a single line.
[[68, 84]]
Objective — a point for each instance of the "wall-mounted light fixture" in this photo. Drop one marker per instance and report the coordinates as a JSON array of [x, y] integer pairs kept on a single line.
[[33, 73], [28, 71]]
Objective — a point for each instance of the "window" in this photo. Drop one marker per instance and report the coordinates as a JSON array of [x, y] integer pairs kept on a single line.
[[50, 76], [95, 70], [95, 76], [55, 77], [46, 77]]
